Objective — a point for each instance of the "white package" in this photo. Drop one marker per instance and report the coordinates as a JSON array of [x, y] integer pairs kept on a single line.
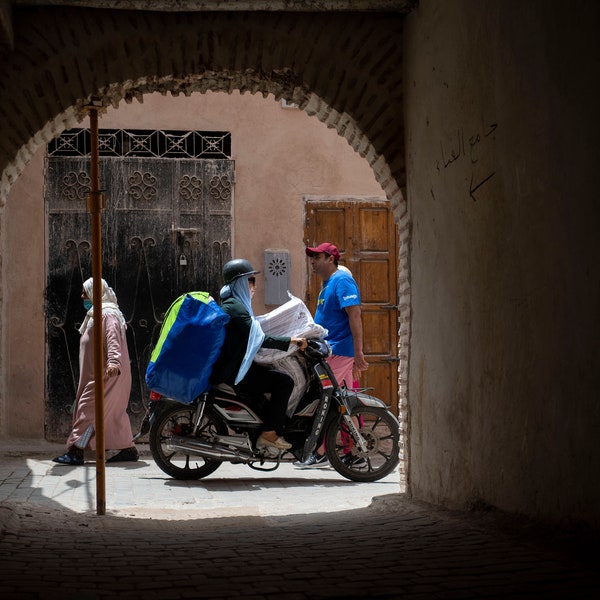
[[292, 319]]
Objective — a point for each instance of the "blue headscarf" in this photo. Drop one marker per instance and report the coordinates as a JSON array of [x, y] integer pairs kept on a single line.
[[240, 290]]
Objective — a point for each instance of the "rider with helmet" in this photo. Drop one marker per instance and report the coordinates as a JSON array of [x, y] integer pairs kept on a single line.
[[243, 337]]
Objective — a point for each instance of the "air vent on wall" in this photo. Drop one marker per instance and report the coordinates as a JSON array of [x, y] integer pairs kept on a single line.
[[277, 276]]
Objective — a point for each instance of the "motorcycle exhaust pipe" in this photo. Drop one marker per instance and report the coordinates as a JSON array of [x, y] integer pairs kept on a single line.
[[206, 450]]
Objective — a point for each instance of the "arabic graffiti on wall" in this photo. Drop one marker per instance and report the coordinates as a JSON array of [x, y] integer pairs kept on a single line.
[[467, 151]]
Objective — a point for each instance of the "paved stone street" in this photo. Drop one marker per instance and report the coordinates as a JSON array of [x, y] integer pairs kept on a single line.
[[240, 533]]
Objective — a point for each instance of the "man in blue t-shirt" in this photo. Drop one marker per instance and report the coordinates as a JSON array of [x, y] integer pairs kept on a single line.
[[338, 311]]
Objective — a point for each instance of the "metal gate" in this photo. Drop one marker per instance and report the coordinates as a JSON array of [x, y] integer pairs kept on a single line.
[[166, 230]]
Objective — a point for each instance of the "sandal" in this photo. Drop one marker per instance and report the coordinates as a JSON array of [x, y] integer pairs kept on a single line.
[[71, 460]]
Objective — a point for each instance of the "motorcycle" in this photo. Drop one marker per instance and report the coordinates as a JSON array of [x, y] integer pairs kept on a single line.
[[191, 441]]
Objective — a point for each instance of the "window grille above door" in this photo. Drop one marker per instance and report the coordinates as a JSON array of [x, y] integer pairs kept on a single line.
[[147, 143]]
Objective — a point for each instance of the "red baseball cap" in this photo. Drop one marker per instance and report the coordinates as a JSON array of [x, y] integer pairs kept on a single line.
[[327, 248]]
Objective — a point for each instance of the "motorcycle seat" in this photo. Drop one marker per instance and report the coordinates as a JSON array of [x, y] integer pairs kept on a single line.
[[225, 387]]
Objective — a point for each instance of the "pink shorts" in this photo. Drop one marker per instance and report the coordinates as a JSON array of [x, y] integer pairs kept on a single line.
[[342, 369]]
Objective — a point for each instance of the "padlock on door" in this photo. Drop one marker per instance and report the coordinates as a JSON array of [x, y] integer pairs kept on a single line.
[[183, 261]]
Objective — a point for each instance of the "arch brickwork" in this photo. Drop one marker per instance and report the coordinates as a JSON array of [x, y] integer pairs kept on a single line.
[[345, 69]]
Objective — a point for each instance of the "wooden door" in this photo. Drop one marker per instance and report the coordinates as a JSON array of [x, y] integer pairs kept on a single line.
[[366, 236], [166, 230]]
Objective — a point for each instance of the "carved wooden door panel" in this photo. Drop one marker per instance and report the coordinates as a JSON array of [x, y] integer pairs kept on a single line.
[[166, 230], [366, 236]]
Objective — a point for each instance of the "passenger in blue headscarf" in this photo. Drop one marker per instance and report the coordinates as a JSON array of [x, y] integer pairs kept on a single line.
[[243, 337]]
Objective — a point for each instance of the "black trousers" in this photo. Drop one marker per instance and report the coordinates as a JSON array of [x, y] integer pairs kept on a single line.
[[262, 380]]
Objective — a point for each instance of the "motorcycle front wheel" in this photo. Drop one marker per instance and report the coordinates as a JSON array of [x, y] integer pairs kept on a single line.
[[380, 431], [177, 420]]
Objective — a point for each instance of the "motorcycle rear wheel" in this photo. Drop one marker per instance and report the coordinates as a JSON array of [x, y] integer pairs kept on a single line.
[[177, 420], [380, 430]]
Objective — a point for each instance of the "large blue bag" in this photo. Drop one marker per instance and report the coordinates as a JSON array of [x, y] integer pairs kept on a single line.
[[189, 343]]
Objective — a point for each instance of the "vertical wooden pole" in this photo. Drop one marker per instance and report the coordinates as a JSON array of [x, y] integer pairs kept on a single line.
[[95, 206]]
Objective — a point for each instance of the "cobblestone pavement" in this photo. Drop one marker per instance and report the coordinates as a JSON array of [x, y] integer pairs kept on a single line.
[[286, 534]]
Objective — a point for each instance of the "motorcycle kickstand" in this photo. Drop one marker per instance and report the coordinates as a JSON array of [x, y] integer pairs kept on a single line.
[[251, 465]]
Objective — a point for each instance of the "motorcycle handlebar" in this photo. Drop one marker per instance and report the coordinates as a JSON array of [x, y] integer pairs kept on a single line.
[[317, 348]]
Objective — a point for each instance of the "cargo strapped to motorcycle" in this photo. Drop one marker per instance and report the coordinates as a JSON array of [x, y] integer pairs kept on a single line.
[[189, 343]]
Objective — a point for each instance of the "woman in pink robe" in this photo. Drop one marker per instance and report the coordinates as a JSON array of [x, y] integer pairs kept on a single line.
[[117, 384]]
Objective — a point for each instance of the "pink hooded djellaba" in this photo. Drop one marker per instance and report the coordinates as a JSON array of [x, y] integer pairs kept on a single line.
[[117, 427]]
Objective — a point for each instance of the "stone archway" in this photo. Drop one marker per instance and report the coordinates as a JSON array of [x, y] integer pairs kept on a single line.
[[344, 69]]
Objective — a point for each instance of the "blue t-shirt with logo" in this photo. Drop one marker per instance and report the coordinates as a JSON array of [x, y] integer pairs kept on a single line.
[[338, 292]]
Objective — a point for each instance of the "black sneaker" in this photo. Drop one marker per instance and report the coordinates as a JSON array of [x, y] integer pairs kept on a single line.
[[356, 462], [314, 461]]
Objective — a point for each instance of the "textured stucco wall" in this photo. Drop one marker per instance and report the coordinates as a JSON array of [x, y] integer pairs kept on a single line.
[[280, 155], [501, 149], [24, 285]]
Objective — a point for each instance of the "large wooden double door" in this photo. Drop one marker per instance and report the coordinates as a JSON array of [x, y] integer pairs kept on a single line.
[[366, 236], [166, 230]]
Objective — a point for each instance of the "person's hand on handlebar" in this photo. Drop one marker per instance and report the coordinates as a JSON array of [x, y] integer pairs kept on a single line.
[[300, 342]]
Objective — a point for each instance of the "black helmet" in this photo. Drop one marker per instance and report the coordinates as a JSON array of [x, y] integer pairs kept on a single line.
[[238, 267]]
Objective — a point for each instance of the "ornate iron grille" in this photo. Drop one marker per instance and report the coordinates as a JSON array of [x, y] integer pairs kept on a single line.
[[144, 143]]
